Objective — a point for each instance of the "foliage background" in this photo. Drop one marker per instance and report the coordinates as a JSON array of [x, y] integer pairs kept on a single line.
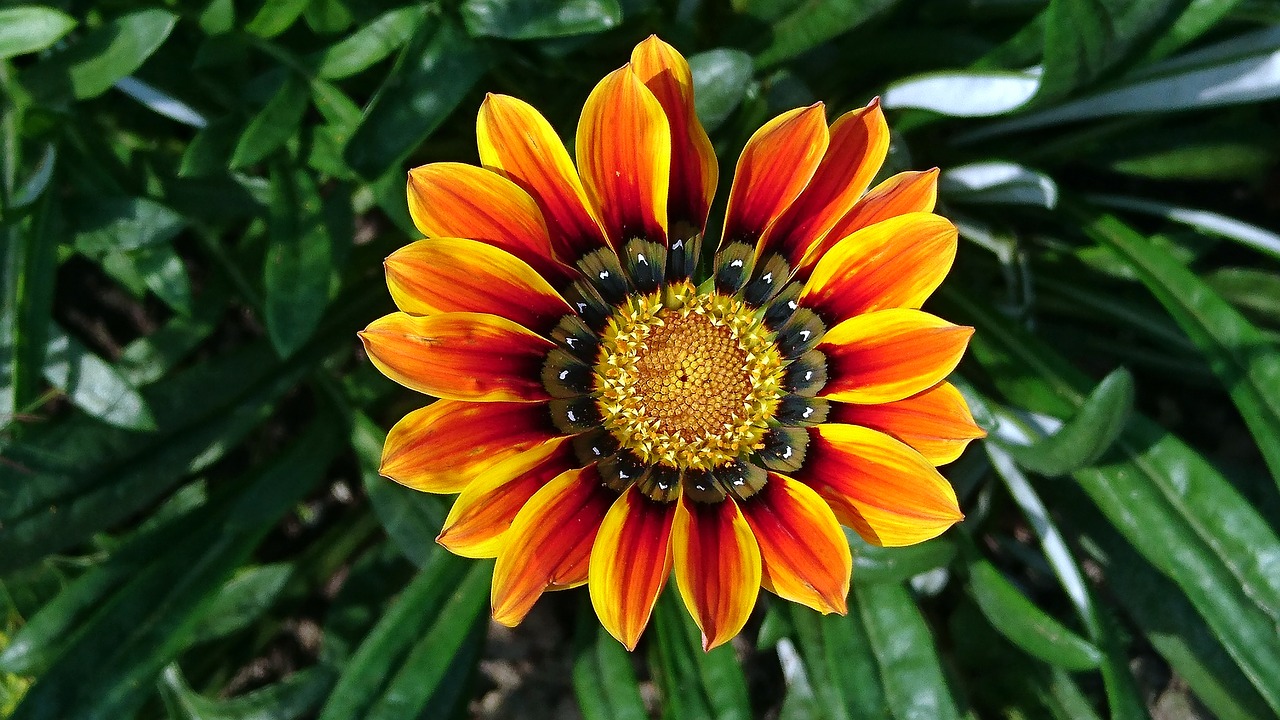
[[196, 197]]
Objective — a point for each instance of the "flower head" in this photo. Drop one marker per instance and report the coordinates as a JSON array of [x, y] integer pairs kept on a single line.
[[614, 405]]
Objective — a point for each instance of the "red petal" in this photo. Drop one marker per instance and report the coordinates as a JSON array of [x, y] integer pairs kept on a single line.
[[630, 562], [717, 566]]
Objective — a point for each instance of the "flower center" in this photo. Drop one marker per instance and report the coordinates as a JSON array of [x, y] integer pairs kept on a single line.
[[688, 380]]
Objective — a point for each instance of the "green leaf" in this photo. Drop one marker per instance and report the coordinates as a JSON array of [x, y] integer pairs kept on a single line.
[[411, 518], [1087, 435], [839, 678], [91, 65], [995, 182], [694, 685], [810, 24], [433, 73], [1026, 625], [119, 224], [1175, 508], [275, 124], [720, 80], [1210, 223], [1086, 38], [93, 385], [161, 102], [536, 19], [107, 670], [291, 698], [603, 679], [31, 28], [240, 601], [299, 261], [165, 274], [408, 653], [873, 564], [1249, 289], [275, 16], [1238, 353], [979, 93], [28, 277], [370, 44]]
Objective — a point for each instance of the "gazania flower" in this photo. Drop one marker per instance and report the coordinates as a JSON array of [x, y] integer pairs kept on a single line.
[[615, 404]]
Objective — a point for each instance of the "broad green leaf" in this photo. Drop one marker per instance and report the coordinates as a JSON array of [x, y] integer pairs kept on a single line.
[[1086, 38], [998, 183], [978, 93], [872, 564], [1199, 160], [93, 385], [411, 518], [1026, 625], [839, 678], [299, 261], [165, 274], [809, 24], [328, 16], [1197, 18], [91, 65], [291, 698], [903, 645], [78, 476], [1087, 435], [603, 679], [31, 28], [1169, 502], [243, 599], [119, 224], [440, 606], [720, 79], [106, 671], [274, 125], [218, 17], [1210, 223], [1240, 356], [370, 44], [208, 151], [694, 685], [435, 70], [275, 16], [536, 19]]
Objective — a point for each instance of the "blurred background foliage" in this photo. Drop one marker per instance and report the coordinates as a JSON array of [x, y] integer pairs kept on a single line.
[[194, 202]]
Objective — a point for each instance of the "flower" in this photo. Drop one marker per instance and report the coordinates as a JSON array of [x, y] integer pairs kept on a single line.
[[614, 405]]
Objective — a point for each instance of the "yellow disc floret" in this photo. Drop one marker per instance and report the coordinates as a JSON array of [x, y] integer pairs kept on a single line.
[[688, 380]]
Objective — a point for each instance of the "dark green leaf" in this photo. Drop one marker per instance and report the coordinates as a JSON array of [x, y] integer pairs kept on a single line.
[[91, 65], [241, 601], [275, 16], [411, 518], [118, 224], [28, 276], [1240, 356], [1026, 625], [107, 671], [1087, 435], [1086, 38], [435, 70], [695, 685], [299, 261], [810, 24], [1252, 290], [275, 124], [31, 29], [603, 679], [910, 671], [370, 44], [873, 564], [720, 79], [534, 19], [93, 384], [288, 699]]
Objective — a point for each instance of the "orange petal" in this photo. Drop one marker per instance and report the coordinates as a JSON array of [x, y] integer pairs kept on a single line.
[[906, 192], [890, 355], [694, 169], [459, 356], [518, 142], [717, 565], [624, 157], [896, 263], [859, 143], [549, 543], [482, 514], [936, 422], [775, 166], [443, 275], [463, 201], [630, 562], [878, 486], [447, 444], [806, 556]]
